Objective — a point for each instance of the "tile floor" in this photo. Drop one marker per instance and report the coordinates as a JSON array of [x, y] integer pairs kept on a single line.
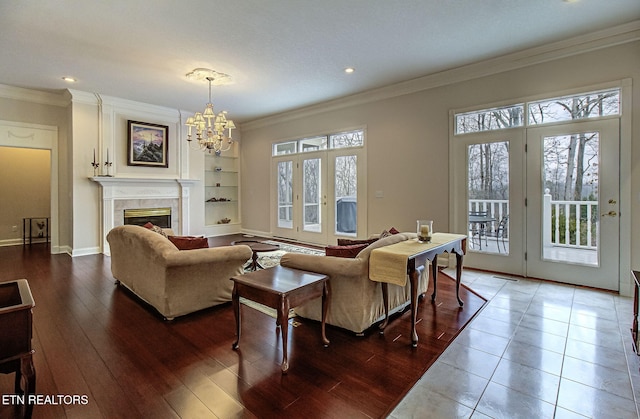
[[536, 350]]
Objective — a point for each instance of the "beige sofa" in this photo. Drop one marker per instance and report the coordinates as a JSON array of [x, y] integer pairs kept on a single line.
[[175, 282], [356, 301]]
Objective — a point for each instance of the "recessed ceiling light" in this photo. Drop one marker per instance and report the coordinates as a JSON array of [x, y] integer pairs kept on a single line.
[[570, 1], [349, 70], [69, 79]]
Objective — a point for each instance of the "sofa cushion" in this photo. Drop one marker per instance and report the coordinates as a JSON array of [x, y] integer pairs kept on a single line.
[[189, 242], [347, 242], [349, 251], [155, 228]]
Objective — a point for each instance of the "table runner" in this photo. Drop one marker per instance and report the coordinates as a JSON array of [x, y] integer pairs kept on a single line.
[[389, 263]]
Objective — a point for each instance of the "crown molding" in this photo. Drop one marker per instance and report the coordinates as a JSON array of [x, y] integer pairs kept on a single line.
[[35, 96], [605, 38]]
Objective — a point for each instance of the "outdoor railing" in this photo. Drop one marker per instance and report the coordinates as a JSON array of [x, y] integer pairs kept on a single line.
[[570, 223], [564, 223]]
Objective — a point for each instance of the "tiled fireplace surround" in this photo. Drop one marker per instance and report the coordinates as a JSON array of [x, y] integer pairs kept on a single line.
[[119, 194]]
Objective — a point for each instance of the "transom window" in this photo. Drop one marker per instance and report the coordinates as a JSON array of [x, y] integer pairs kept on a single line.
[[547, 111], [321, 142]]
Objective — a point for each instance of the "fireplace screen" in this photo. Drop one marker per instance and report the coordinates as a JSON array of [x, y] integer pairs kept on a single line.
[[140, 216]]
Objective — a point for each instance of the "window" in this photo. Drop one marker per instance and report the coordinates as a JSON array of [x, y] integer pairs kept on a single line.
[[547, 111], [490, 119], [335, 141], [584, 106]]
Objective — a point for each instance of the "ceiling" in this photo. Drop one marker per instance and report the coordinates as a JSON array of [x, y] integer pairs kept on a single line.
[[281, 54]]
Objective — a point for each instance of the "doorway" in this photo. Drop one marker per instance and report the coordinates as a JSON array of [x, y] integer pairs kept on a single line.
[[38, 137], [319, 188], [538, 192]]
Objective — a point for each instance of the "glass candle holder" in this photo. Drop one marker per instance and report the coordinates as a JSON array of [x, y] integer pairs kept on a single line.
[[425, 230]]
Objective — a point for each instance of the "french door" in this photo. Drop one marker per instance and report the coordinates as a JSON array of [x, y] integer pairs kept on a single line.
[[573, 203], [319, 196], [541, 202], [489, 189]]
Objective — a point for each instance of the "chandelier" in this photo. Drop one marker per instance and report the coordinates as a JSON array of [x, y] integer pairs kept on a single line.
[[212, 132]]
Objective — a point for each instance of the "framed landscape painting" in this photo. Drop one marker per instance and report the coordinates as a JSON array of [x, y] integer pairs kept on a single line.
[[147, 144]]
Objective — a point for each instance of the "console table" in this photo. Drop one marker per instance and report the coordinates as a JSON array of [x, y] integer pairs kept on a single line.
[[636, 303], [392, 264], [29, 221]]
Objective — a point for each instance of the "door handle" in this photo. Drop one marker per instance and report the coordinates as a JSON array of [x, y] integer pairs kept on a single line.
[[610, 214]]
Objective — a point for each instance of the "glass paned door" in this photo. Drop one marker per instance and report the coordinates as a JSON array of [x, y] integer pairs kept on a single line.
[[573, 195], [488, 199], [488, 196], [311, 192], [285, 194], [346, 195]]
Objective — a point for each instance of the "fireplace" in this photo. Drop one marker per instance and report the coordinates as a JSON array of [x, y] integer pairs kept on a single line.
[[120, 194], [140, 216]]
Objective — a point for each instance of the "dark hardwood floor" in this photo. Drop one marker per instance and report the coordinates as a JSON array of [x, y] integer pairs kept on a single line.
[[97, 340]]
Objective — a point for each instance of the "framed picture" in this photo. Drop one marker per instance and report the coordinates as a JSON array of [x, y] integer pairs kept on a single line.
[[147, 144]]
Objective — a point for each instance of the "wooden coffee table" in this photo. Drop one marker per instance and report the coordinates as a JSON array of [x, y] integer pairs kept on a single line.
[[256, 247], [281, 288]]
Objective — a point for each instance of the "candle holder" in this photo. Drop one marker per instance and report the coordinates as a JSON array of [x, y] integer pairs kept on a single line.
[[108, 164], [95, 168], [425, 230]]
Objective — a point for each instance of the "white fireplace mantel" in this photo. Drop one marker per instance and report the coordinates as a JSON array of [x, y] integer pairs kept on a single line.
[[143, 189]]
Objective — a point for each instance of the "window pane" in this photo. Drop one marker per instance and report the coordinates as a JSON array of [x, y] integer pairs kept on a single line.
[[347, 139], [284, 148], [311, 195], [313, 144], [285, 194], [570, 207], [488, 191], [346, 187], [589, 105], [490, 119]]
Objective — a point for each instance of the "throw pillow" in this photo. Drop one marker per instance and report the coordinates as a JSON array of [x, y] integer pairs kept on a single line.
[[347, 242], [350, 251], [189, 242], [387, 233], [155, 228]]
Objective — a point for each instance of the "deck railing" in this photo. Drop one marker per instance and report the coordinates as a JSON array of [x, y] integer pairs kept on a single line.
[[564, 223]]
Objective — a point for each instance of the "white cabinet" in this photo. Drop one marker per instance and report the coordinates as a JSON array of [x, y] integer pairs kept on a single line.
[[221, 192]]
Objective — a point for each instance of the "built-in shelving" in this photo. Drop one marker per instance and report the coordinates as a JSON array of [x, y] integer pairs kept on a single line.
[[221, 192]]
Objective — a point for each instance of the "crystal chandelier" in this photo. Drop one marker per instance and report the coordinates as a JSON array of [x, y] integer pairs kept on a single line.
[[213, 132]]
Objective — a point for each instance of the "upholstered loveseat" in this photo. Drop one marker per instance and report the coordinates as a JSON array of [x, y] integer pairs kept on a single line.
[[356, 301], [175, 282]]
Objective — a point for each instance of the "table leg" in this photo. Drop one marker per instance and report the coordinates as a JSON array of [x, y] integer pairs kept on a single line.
[[235, 299], [385, 302], [254, 261], [458, 277], [414, 278], [283, 319], [434, 274], [326, 297], [28, 372]]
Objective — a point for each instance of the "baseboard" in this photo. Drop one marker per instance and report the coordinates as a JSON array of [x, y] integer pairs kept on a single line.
[[10, 242], [86, 251], [256, 233]]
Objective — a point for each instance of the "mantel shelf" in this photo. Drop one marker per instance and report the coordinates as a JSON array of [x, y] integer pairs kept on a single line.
[[113, 180]]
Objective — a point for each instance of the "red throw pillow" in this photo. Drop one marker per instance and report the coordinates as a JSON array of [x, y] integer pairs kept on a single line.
[[189, 242], [393, 230], [347, 242], [350, 251], [155, 228]]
